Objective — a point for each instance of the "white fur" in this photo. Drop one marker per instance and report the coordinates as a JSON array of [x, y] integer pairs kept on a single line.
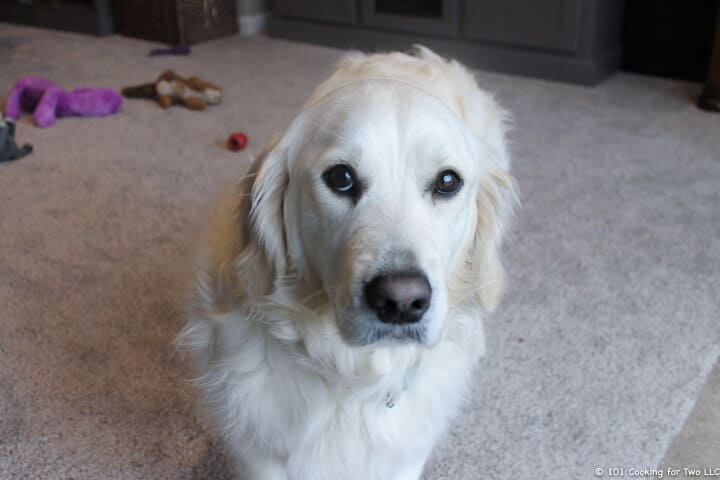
[[286, 376]]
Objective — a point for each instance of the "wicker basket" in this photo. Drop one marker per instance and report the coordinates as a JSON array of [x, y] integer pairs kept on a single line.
[[176, 22]]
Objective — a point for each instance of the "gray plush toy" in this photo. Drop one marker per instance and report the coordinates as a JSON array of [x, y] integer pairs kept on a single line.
[[8, 149]]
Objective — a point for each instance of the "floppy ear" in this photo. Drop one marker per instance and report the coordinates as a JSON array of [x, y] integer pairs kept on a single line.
[[265, 216], [496, 202], [496, 199], [243, 247], [261, 255]]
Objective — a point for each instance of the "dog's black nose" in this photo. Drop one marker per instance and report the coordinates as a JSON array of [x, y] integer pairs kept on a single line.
[[398, 297]]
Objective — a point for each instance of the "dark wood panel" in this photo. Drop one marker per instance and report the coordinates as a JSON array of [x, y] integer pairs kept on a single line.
[[177, 22], [548, 24], [333, 11]]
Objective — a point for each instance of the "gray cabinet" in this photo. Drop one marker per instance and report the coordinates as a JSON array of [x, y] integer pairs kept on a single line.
[[570, 40], [549, 24], [336, 11]]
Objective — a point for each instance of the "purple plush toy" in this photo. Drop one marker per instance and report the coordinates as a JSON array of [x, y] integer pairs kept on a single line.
[[47, 101]]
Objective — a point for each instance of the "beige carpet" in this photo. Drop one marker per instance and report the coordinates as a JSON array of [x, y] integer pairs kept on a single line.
[[609, 329]]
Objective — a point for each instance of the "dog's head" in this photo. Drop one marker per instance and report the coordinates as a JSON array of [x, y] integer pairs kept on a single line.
[[384, 201]]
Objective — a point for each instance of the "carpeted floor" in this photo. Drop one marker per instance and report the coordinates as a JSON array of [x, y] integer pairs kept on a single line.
[[596, 357]]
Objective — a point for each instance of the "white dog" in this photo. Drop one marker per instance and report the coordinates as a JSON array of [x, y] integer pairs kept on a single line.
[[343, 282]]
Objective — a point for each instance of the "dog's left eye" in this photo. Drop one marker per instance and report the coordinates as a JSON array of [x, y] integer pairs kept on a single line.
[[340, 178], [447, 183]]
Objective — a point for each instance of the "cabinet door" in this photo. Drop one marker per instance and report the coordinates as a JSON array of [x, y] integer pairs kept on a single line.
[[437, 17], [335, 11], [549, 24]]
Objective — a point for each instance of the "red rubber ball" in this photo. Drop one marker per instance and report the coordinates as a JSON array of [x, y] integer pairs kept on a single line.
[[237, 141]]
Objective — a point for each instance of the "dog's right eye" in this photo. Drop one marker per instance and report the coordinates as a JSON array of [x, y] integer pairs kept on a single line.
[[341, 179]]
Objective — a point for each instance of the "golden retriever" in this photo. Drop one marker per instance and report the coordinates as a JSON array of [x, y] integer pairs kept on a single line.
[[343, 282]]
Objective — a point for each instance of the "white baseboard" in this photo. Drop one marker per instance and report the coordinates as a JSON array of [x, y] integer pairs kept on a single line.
[[252, 24]]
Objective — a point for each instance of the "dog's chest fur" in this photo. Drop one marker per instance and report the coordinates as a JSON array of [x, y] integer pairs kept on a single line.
[[376, 412]]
